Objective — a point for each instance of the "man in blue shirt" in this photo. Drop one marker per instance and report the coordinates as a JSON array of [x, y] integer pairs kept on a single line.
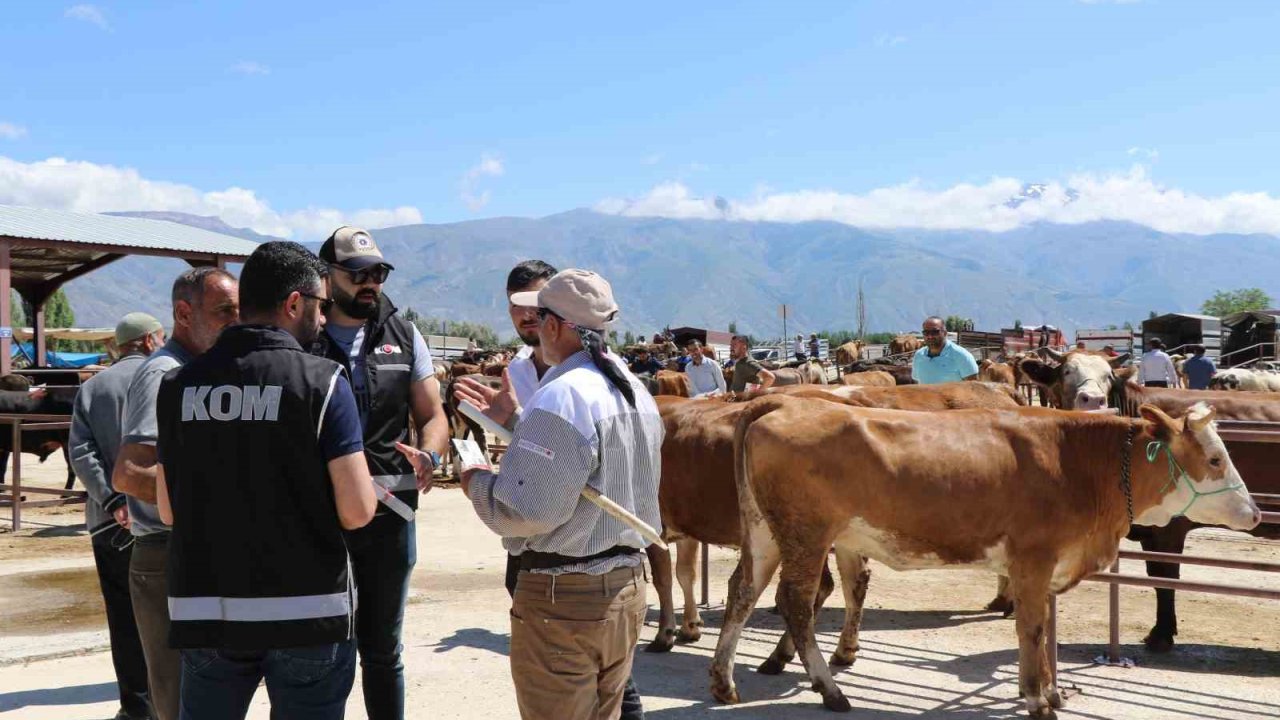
[[1198, 369], [940, 360]]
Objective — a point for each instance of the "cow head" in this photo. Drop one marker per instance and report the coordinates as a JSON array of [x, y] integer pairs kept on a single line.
[[1225, 380], [1206, 486], [1083, 380]]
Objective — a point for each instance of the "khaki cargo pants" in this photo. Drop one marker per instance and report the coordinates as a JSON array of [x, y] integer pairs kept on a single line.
[[572, 641]]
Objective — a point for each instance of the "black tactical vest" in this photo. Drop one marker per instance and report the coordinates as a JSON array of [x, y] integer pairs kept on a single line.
[[388, 367], [257, 559]]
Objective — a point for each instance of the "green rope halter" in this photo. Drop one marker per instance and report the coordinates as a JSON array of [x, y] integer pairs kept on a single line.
[[1176, 473]]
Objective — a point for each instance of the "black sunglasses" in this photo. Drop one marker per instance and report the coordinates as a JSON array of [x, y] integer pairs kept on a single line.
[[931, 333], [325, 303], [377, 273]]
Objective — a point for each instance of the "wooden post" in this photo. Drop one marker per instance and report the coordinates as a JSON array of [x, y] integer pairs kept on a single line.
[[1113, 650], [37, 327], [16, 454], [6, 312], [706, 575]]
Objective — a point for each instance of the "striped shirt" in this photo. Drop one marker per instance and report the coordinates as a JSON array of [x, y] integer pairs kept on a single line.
[[576, 430]]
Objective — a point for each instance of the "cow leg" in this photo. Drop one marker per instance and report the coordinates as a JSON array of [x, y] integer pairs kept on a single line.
[[756, 565], [855, 575], [1031, 592], [1169, 539], [71, 473], [687, 575], [660, 561], [798, 588], [1003, 601], [785, 651]]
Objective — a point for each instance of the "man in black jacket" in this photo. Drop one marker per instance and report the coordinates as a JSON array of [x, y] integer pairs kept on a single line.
[[261, 437], [398, 398]]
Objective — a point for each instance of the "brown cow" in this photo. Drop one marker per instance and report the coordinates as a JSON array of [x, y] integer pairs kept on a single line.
[[905, 344], [813, 474], [848, 353], [698, 497], [878, 378], [459, 369], [668, 382], [1256, 463], [997, 372]]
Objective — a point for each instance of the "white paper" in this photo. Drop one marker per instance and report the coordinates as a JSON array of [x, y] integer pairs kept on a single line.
[[470, 455]]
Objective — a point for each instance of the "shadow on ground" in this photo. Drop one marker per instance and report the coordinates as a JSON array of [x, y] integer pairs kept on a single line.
[[70, 695]]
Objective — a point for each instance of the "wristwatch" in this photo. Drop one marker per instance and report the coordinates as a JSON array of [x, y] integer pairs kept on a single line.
[[435, 459]]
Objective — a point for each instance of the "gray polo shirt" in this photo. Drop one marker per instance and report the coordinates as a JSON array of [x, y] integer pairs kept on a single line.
[[95, 435], [140, 426]]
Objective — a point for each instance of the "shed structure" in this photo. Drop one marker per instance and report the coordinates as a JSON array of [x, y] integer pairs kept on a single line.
[[1177, 330], [41, 250], [1249, 338]]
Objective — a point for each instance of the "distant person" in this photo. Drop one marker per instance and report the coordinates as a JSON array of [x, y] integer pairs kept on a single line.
[[94, 445], [1199, 369], [205, 301], [1110, 351], [705, 375], [262, 469], [815, 347], [645, 364], [1157, 367], [471, 346], [1081, 346], [797, 349], [746, 369], [940, 360]]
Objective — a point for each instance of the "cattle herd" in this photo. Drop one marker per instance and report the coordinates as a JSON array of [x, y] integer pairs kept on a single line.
[[954, 475]]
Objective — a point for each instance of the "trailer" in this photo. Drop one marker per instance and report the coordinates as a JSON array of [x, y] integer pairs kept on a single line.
[[1178, 331]]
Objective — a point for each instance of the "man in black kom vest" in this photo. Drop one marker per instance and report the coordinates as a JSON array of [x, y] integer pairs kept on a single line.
[[396, 391], [261, 470]]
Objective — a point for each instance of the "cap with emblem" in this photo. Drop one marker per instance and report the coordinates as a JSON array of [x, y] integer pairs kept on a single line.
[[579, 296], [135, 325], [352, 248]]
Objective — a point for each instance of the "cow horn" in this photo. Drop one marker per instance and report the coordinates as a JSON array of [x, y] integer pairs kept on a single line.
[[1050, 353]]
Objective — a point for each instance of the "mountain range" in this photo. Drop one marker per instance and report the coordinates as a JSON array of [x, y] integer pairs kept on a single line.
[[708, 273]]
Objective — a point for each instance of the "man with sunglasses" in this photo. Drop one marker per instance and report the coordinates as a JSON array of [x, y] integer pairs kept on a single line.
[[940, 360], [398, 398]]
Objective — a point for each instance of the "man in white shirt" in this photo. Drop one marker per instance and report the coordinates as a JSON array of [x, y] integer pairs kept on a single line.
[[1157, 367], [525, 373], [706, 377], [798, 349]]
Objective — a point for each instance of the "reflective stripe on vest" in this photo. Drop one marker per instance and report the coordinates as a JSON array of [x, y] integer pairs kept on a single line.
[[268, 609], [393, 366], [396, 483]]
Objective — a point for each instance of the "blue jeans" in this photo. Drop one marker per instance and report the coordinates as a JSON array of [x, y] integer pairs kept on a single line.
[[383, 554], [310, 682]]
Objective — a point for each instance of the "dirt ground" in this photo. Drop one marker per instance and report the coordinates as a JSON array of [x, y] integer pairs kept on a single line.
[[927, 648]]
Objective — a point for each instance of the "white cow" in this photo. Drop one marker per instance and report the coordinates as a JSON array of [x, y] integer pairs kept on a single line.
[[1245, 379]]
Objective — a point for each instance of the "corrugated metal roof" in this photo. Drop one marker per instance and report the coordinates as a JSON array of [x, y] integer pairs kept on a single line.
[[41, 224]]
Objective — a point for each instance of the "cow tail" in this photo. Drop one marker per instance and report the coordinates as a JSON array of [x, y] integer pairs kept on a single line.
[[754, 410]]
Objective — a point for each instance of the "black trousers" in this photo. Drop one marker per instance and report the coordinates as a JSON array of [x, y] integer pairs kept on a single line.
[[126, 647], [632, 707], [1156, 383]]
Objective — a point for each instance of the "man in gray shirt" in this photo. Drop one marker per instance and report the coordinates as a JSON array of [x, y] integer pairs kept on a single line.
[[205, 300], [95, 440]]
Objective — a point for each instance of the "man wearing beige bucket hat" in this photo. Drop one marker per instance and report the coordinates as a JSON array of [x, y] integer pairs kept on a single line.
[[582, 583]]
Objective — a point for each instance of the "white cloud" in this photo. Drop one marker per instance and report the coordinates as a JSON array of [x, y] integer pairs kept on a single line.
[[62, 184], [469, 188], [1131, 196], [886, 40], [1141, 152], [91, 14], [9, 131], [249, 67]]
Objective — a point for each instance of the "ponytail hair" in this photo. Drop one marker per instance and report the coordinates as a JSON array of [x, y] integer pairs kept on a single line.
[[593, 343]]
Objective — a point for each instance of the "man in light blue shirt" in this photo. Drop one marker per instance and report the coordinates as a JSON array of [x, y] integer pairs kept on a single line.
[[940, 360]]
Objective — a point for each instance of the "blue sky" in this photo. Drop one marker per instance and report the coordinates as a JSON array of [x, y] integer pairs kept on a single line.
[[289, 117]]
